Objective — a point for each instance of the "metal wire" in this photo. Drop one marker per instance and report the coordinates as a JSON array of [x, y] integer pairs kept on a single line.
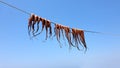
[[28, 13], [16, 8]]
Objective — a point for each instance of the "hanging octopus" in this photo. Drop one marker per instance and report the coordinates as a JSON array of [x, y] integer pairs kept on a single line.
[[78, 38], [31, 24], [59, 29], [73, 36], [82, 38], [68, 35], [45, 24]]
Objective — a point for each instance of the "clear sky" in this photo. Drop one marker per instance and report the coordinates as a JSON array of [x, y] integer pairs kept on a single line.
[[18, 51]]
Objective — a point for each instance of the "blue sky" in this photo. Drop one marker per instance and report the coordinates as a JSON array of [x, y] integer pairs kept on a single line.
[[18, 51]]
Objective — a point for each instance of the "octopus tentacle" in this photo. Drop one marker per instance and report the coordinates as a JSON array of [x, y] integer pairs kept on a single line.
[[57, 33], [39, 20], [30, 23], [48, 25]]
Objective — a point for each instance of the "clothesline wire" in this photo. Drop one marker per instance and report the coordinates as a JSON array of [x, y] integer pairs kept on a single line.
[[16, 8], [28, 13]]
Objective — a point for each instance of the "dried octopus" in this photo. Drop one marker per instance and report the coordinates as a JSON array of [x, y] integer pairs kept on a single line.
[[33, 20], [45, 24], [78, 38], [64, 30], [68, 35], [31, 24], [77, 35]]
